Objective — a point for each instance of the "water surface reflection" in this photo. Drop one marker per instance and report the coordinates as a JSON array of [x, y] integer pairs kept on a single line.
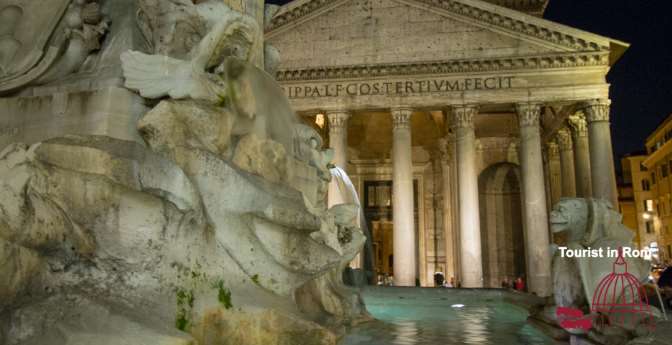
[[420, 321]]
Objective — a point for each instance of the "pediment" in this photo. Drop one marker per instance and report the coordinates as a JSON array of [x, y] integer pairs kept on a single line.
[[312, 34]]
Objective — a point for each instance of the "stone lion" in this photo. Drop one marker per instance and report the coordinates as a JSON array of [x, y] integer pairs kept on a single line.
[[588, 223]]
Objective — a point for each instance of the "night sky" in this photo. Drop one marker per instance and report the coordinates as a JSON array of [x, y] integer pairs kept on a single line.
[[641, 80]]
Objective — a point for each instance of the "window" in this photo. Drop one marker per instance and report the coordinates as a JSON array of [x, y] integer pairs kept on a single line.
[[649, 227], [648, 205], [645, 185], [384, 196], [663, 170], [653, 177], [378, 194]]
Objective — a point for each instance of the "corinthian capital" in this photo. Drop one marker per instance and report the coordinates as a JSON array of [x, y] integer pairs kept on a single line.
[[579, 125], [528, 114], [597, 110], [446, 149], [338, 120], [564, 139], [462, 116], [401, 118], [553, 150]]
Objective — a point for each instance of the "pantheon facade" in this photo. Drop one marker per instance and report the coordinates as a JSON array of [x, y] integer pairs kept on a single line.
[[460, 122]]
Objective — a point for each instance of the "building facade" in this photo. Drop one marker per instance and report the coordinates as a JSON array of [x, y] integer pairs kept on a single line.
[[460, 122], [637, 200], [649, 175]]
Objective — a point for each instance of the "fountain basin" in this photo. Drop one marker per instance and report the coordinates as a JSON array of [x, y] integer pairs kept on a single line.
[[431, 316]]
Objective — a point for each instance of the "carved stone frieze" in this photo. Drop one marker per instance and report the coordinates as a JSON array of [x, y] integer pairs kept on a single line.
[[531, 6], [38, 46], [447, 67], [298, 12]]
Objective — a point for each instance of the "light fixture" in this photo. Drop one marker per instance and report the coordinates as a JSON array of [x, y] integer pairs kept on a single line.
[[646, 215], [319, 120]]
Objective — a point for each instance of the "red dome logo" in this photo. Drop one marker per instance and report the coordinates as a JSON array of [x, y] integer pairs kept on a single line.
[[619, 297]]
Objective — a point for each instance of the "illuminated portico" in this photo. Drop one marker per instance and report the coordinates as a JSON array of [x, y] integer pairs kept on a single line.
[[485, 88]]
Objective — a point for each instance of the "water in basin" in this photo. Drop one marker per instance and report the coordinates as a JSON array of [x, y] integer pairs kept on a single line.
[[415, 316]]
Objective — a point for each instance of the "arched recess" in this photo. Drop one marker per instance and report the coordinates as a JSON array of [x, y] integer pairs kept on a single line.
[[502, 235]]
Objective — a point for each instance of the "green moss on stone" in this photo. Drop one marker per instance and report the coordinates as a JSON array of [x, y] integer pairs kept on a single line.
[[185, 303], [223, 294]]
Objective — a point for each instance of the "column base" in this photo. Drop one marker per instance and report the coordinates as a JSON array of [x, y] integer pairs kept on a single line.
[[404, 282], [540, 286]]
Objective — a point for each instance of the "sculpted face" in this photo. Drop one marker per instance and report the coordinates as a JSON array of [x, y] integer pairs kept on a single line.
[[569, 218]]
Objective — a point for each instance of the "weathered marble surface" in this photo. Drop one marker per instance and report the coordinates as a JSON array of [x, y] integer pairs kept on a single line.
[[72, 90], [41, 44], [208, 227]]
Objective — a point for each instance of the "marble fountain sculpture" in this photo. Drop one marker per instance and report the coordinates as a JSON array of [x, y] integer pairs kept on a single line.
[[212, 230]]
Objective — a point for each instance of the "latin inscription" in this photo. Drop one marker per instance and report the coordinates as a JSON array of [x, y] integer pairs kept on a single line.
[[398, 87]]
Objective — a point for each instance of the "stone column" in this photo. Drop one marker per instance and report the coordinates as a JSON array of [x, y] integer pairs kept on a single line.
[[447, 178], [601, 152], [554, 171], [583, 179], [564, 140], [338, 136], [535, 212], [338, 141], [471, 259], [402, 204]]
